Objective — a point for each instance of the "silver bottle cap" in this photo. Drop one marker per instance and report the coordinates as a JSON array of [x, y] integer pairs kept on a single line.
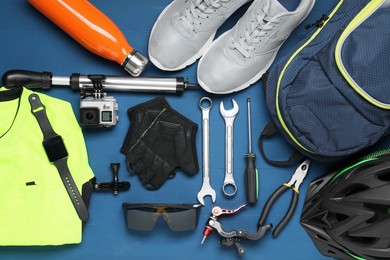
[[135, 63]]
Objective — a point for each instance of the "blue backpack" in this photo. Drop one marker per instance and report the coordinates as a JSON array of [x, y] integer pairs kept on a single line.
[[330, 96]]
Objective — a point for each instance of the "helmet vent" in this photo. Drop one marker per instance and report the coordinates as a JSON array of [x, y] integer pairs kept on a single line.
[[384, 176], [355, 189], [315, 199], [381, 213], [341, 217], [317, 183], [336, 251], [321, 237], [315, 187], [362, 241]]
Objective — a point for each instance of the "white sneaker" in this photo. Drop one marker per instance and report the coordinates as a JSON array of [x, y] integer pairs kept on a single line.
[[240, 56], [185, 29]]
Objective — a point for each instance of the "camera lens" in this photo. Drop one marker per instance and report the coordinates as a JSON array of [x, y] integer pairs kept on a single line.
[[89, 116]]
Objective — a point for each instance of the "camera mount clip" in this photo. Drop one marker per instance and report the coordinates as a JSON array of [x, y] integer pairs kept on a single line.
[[115, 186], [96, 91]]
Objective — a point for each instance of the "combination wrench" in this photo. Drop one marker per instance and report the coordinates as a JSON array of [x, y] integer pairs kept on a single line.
[[229, 116], [206, 189]]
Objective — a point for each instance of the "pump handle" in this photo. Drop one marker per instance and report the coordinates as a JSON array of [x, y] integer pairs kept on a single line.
[[28, 79]]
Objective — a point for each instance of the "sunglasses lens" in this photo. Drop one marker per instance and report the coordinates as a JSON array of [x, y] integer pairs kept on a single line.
[[142, 219], [179, 217], [182, 220]]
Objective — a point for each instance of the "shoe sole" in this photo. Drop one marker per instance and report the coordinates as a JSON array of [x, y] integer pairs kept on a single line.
[[190, 60], [258, 75]]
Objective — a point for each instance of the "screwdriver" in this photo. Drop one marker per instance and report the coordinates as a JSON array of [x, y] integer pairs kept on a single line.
[[251, 174]]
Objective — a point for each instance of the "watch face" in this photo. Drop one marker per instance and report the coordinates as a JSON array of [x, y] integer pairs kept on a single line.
[[55, 148]]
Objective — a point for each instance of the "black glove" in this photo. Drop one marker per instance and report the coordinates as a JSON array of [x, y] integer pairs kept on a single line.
[[151, 169], [160, 140], [184, 140], [141, 116]]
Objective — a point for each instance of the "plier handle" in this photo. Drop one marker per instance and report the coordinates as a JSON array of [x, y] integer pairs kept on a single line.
[[294, 183]]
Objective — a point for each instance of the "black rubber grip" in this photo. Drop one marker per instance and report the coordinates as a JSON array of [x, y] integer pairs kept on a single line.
[[75, 81], [289, 214], [269, 203], [251, 179], [27, 78]]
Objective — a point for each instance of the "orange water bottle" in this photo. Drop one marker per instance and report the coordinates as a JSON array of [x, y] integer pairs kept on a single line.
[[94, 30]]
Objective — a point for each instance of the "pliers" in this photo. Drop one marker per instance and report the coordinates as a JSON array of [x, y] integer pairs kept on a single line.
[[294, 183]]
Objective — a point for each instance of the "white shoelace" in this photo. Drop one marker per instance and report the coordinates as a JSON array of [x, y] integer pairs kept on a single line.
[[258, 28], [200, 9]]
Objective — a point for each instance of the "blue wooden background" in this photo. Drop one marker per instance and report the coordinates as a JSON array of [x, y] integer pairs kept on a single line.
[[28, 40]]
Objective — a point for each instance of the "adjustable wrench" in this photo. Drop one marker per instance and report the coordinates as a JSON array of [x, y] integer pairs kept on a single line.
[[206, 189], [229, 116]]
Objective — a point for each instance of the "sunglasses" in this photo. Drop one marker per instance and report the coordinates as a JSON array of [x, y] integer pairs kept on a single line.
[[143, 217]]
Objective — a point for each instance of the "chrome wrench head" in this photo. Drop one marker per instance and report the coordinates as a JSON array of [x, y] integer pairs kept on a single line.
[[231, 113], [229, 116], [206, 189]]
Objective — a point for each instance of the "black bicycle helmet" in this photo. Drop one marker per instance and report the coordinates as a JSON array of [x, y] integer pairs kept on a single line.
[[347, 212]]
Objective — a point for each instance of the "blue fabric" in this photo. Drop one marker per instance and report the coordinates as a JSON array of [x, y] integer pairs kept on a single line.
[[319, 107], [370, 55]]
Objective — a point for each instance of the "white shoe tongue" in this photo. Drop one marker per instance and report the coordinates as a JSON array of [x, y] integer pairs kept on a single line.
[[275, 8]]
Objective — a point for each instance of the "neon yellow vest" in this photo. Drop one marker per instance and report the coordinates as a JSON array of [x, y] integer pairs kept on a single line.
[[35, 208]]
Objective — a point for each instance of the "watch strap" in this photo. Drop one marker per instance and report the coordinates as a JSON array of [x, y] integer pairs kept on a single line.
[[57, 154]]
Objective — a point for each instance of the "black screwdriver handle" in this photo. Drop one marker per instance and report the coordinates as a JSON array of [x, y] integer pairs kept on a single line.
[[28, 79], [251, 179]]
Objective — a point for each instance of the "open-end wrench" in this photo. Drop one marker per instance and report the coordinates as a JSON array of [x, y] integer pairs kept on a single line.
[[206, 189], [229, 116]]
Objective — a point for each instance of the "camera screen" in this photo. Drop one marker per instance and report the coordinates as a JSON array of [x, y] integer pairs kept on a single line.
[[106, 116]]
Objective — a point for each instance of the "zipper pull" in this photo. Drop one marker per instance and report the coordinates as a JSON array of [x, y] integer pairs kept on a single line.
[[319, 23]]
